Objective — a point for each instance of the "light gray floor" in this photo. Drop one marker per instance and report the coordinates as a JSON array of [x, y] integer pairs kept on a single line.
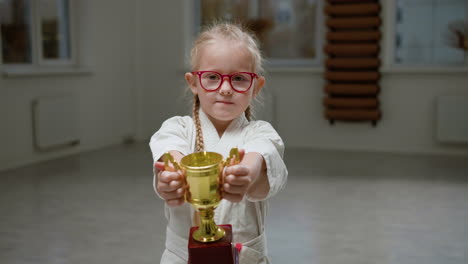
[[338, 208]]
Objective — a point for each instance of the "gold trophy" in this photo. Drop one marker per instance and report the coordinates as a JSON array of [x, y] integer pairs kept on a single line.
[[203, 174]]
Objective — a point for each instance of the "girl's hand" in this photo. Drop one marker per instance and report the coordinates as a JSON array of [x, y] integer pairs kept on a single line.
[[236, 180], [170, 185], [248, 177]]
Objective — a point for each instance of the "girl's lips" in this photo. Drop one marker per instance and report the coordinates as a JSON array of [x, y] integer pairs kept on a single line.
[[224, 102]]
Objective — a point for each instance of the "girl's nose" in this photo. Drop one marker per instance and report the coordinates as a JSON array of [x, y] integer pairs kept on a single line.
[[225, 88]]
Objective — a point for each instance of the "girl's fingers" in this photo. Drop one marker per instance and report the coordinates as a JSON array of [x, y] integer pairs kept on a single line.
[[176, 194], [241, 154], [237, 180], [175, 202], [168, 176], [170, 186], [238, 170], [233, 189], [159, 165]]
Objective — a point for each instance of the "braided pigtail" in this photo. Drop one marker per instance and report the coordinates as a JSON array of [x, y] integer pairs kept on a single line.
[[199, 144]]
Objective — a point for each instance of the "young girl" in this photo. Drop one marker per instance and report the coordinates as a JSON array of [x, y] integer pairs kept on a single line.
[[225, 77]]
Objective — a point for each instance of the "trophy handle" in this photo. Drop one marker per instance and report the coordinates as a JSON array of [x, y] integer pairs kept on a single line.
[[233, 156], [167, 157]]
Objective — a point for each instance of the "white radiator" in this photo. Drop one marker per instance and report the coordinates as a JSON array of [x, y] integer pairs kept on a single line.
[[55, 122], [452, 119]]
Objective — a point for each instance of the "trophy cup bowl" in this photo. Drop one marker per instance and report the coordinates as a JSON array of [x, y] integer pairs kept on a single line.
[[203, 175]]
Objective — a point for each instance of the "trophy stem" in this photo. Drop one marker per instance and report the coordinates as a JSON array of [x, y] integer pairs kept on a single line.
[[208, 231]]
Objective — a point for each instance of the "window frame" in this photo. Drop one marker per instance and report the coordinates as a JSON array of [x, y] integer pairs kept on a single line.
[[194, 20], [39, 65], [389, 47], [72, 35]]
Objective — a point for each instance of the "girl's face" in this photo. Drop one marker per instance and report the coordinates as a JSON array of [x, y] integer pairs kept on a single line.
[[224, 104]]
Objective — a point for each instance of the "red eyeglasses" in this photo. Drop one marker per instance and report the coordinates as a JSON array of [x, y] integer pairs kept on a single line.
[[240, 81]]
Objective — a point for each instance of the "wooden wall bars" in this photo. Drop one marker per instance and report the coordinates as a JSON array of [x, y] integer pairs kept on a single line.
[[352, 65]]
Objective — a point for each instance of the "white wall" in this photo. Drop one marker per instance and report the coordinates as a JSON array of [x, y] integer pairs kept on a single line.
[[106, 95], [136, 52], [159, 64], [407, 104]]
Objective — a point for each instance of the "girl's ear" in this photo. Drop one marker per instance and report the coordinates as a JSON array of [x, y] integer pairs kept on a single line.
[[259, 83], [191, 80]]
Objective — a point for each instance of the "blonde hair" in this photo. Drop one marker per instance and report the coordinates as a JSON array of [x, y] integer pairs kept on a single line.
[[225, 31]]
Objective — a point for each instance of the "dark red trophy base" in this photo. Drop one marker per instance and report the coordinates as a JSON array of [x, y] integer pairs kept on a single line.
[[218, 252]]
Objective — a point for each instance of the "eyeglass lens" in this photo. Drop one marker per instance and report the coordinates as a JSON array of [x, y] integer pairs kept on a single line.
[[212, 80]]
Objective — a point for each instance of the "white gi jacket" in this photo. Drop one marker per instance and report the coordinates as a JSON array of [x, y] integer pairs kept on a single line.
[[246, 217]]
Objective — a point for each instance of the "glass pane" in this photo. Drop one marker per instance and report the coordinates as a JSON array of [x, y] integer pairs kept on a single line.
[[415, 38], [16, 31], [422, 31], [285, 28], [55, 29]]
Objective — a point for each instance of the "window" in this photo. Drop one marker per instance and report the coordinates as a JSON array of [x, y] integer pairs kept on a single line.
[[288, 30], [36, 33], [423, 35]]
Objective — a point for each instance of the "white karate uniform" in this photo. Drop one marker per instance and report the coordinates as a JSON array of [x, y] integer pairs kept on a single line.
[[246, 217]]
